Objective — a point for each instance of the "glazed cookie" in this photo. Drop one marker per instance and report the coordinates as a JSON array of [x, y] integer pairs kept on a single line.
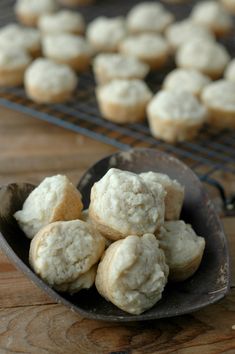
[[208, 57], [63, 21], [49, 82], [186, 80], [214, 16], [54, 199], [152, 49], [13, 63], [17, 36], [123, 101], [229, 5], [64, 252], [219, 98], [148, 17], [68, 49], [104, 34], [181, 32], [133, 273], [183, 249], [174, 192], [122, 204], [108, 67], [29, 11], [175, 115], [230, 71]]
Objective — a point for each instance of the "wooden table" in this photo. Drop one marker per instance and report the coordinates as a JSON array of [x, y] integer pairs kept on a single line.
[[31, 323]]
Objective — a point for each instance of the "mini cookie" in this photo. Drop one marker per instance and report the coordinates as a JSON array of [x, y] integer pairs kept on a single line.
[[29, 11], [214, 16], [174, 192], [229, 5], [133, 273], [181, 32], [183, 249], [175, 115], [230, 71], [54, 199], [64, 252], [123, 101], [208, 57], [13, 63], [219, 98], [152, 49], [17, 36], [68, 49], [148, 17], [76, 2], [105, 34], [108, 67], [186, 80], [122, 204], [63, 21], [49, 82]]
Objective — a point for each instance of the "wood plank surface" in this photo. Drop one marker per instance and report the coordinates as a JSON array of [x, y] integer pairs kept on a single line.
[[29, 321]]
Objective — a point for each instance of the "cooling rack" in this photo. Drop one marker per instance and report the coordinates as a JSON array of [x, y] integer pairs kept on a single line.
[[210, 155]]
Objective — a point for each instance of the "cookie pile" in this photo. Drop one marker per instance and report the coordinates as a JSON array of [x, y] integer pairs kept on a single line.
[[122, 51], [129, 243]]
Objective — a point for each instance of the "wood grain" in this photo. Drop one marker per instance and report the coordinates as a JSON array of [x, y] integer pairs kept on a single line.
[[30, 323]]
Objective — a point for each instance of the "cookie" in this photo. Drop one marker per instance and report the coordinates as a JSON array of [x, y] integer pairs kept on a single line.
[[64, 21], [28, 12]]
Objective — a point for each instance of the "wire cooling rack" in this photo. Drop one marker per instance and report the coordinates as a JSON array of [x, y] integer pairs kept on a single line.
[[211, 152]]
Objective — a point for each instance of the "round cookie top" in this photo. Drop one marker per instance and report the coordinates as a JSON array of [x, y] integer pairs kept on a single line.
[[181, 32], [36, 7], [122, 201], [148, 17], [186, 80], [145, 45], [13, 58], [62, 21], [133, 273], [220, 95], [120, 66], [212, 15], [125, 92], [48, 75], [64, 250], [230, 71], [179, 106], [65, 46], [106, 32], [202, 55], [18, 36]]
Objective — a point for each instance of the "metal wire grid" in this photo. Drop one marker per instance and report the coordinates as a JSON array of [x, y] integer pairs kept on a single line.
[[212, 151]]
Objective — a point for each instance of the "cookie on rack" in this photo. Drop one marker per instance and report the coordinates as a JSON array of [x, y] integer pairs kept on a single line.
[[13, 63], [174, 192], [122, 204], [186, 80], [183, 249], [17, 36], [209, 57], [214, 16], [230, 71], [151, 49], [28, 12], [229, 5], [64, 253], [123, 101], [49, 82], [64, 21], [184, 31], [54, 199], [111, 66], [219, 98], [175, 115], [133, 273], [105, 33], [76, 51], [148, 17]]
